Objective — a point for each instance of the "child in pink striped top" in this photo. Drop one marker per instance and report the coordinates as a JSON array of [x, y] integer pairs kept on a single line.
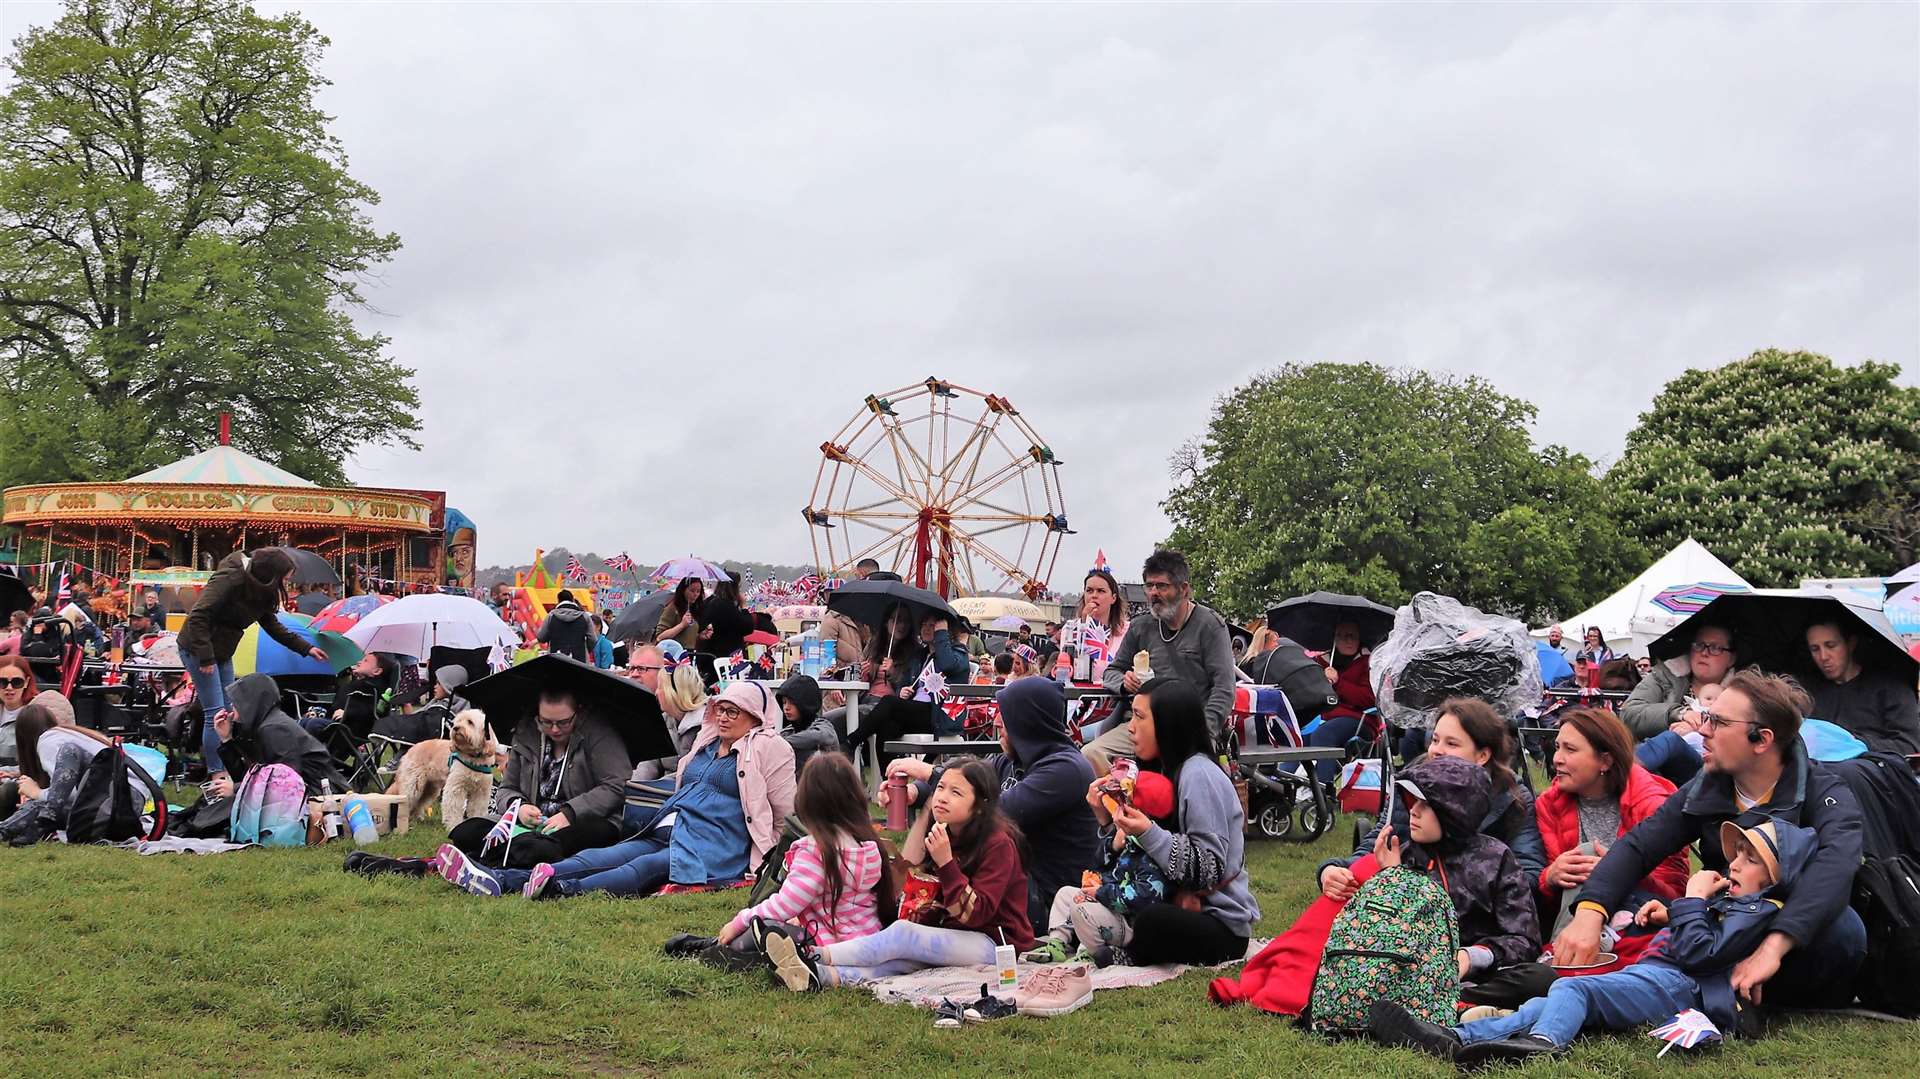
[[838, 875]]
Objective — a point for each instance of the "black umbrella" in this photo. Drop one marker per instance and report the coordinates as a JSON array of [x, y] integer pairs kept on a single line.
[[867, 602], [14, 595], [513, 694], [310, 568], [641, 617], [1310, 619], [1770, 631]]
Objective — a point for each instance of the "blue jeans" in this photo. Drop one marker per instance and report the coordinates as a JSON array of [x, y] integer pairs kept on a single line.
[[1668, 755], [211, 691], [902, 948], [1336, 732], [634, 867], [1644, 993]]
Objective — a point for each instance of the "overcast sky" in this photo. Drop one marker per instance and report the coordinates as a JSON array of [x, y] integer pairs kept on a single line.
[[654, 256]]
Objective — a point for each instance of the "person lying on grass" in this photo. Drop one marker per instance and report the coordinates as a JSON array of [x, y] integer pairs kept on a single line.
[[974, 899], [1719, 922], [54, 754]]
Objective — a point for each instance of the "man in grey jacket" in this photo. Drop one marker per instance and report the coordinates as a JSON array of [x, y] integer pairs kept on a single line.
[[1181, 640], [565, 779]]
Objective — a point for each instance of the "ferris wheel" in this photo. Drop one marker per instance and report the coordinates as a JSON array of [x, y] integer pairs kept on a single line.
[[949, 487]]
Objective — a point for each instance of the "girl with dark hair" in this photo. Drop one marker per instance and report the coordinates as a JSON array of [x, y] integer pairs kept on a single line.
[[839, 882], [16, 689], [1102, 619], [247, 590], [680, 619], [978, 902], [1203, 853], [896, 657], [53, 755], [1599, 794], [1467, 728]]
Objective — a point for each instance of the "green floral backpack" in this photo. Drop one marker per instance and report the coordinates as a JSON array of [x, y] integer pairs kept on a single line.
[[1395, 940]]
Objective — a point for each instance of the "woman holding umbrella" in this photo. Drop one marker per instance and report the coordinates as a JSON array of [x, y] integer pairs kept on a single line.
[[680, 621], [1347, 666], [246, 589], [724, 625]]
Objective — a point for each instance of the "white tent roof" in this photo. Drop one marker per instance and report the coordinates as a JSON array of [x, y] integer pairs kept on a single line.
[[1630, 616], [222, 465]]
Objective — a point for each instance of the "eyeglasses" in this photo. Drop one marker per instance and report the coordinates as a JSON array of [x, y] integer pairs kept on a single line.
[[725, 710], [554, 724], [1705, 649], [1715, 721], [646, 667], [13, 683]]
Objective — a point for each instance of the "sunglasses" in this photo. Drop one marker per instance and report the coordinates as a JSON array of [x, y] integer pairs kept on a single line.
[[13, 683]]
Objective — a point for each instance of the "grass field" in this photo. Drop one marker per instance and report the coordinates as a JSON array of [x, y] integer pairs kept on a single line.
[[277, 963]]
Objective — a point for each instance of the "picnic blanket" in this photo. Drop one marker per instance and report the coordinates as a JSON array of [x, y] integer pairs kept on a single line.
[[179, 845], [925, 988]]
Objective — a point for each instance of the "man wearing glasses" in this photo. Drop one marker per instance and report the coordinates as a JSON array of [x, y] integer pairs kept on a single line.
[[644, 665], [1756, 767], [565, 775], [1182, 640]]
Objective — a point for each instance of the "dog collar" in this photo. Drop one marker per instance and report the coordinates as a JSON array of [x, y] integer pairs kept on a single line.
[[455, 758]]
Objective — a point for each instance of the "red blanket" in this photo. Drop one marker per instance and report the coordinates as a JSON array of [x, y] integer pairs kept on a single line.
[[1280, 978]]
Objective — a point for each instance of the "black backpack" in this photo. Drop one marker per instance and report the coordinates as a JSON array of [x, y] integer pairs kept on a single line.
[[773, 868], [106, 805], [207, 818], [1886, 887]]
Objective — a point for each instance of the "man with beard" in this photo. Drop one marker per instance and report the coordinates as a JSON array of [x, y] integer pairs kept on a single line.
[[1754, 767], [1182, 640]]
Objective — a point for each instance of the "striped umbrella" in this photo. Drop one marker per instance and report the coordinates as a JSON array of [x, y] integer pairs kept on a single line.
[[1688, 598], [261, 654], [342, 615]]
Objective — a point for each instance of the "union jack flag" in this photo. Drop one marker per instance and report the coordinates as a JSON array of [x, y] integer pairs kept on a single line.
[[64, 591], [502, 829], [575, 571], [621, 563]]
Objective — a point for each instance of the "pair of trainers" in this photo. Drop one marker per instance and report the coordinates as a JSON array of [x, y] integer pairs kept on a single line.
[[719, 956], [948, 1015], [1392, 1024], [1055, 990]]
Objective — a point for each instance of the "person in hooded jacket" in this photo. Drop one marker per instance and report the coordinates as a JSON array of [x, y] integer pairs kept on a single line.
[[1689, 964], [733, 794], [806, 730], [448, 681], [1755, 766], [1043, 788], [565, 630], [257, 732], [1492, 895], [246, 590]]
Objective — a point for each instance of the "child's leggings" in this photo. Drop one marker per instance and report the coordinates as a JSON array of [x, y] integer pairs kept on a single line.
[[1075, 917], [1647, 992], [901, 948]]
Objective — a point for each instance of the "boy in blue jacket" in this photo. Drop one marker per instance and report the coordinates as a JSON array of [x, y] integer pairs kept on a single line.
[[1688, 965]]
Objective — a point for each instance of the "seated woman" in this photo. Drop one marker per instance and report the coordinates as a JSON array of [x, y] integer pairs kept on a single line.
[[565, 780], [16, 689], [1661, 711], [1599, 794], [979, 900], [255, 731], [1347, 668], [839, 875], [1203, 853], [896, 662], [1875, 706], [54, 753], [1467, 728], [734, 792]]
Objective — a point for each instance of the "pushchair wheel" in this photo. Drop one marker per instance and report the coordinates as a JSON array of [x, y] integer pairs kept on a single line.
[[1272, 817], [1314, 821]]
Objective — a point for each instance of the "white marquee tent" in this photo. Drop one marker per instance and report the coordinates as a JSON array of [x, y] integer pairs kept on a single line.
[[1629, 619]]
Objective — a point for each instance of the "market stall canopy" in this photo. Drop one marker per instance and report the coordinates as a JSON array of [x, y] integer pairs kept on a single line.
[[1631, 616], [992, 610]]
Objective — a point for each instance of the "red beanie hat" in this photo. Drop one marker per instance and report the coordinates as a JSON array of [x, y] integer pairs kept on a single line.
[[1153, 795]]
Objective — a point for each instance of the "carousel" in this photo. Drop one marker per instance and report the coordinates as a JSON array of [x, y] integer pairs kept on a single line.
[[171, 526]]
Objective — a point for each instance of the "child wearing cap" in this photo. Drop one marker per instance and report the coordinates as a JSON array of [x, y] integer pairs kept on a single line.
[[1100, 910], [1719, 922]]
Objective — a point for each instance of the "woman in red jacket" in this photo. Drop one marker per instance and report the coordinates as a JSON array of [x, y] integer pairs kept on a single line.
[[1347, 668], [1598, 795]]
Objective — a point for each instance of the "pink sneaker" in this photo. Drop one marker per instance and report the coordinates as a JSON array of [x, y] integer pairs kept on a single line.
[[537, 881], [1055, 990]]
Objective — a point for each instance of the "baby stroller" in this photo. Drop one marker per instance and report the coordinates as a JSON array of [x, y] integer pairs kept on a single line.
[[1276, 793]]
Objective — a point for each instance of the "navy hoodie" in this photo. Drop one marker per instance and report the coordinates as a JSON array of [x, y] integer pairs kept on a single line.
[[1043, 789]]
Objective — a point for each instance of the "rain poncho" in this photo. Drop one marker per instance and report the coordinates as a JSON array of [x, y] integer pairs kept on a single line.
[[1442, 648]]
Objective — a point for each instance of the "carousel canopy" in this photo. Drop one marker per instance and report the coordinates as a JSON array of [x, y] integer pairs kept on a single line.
[[222, 464]]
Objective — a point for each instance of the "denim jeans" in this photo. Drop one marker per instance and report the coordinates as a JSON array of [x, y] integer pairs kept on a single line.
[[1668, 755], [634, 867], [1335, 732], [1640, 994], [902, 948], [211, 691]]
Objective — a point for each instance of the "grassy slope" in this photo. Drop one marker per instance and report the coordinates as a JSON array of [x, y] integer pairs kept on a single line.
[[276, 963]]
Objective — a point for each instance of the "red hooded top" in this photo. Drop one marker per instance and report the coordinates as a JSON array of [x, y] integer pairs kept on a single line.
[[1558, 814]]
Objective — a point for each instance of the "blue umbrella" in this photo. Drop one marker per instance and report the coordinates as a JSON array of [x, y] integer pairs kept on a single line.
[[1553, 665], [270, 658]]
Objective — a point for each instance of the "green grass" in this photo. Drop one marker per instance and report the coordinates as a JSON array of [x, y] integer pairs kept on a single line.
[[277, 963]]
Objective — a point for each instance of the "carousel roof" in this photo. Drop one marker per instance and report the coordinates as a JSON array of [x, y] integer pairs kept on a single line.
[[222, 464]]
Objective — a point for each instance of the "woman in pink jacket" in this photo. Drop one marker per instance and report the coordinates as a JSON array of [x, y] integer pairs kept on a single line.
[[735, 791]]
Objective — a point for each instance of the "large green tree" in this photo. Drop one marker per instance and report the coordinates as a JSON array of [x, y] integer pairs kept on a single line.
[[1784, 464], [1356, 478], [179, 237]]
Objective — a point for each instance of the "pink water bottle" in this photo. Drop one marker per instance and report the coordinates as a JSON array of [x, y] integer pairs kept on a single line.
[[896, 801]]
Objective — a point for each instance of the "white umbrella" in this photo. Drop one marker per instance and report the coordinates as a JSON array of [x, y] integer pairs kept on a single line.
[[412, 625]]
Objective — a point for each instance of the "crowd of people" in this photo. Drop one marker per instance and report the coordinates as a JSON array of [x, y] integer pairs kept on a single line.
[[1124, 845]]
